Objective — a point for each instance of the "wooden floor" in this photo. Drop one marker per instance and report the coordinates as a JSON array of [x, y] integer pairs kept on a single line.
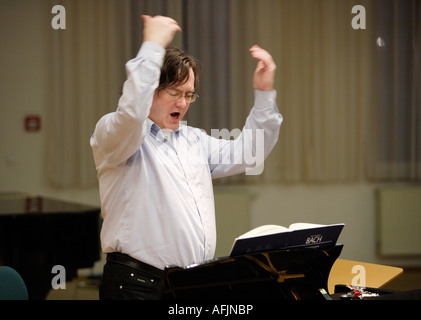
[[78, 289]]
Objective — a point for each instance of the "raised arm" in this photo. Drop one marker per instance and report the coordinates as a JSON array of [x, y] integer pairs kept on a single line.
[[260, 132], [119, 134]]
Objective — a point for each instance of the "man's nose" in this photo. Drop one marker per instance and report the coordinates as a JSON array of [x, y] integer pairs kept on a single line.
[[182, 102]]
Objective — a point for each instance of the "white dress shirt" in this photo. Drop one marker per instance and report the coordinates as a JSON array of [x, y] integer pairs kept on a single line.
[[156, 190]]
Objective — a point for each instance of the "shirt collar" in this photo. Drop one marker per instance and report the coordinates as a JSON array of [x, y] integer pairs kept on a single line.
[[156, 131]]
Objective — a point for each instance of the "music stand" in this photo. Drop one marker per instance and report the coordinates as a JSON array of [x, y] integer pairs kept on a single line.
[[289, 274]]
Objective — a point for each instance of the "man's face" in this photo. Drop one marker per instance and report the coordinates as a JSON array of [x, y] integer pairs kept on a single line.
[[167, 109]]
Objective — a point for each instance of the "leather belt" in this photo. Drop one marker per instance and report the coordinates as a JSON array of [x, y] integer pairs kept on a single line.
[[134, 263]]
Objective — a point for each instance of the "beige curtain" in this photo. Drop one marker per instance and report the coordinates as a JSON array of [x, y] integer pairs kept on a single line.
[[331, 81], [323, 80], [395, 120], [88, 59]]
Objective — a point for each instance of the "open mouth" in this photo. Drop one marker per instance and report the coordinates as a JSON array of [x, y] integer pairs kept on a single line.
[[175, 115]]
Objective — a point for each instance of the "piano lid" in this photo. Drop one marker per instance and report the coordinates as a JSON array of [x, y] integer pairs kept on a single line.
[[19, 203]]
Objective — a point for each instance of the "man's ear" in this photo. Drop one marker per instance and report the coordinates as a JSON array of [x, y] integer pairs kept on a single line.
[[156, 94]]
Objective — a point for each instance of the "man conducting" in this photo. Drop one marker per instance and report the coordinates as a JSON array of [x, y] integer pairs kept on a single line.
[[155, 174]]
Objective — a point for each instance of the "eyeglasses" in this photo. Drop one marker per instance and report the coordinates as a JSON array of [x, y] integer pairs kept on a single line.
[[175, 95]]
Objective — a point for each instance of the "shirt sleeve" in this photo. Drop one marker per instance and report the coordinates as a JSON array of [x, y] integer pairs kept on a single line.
[[257, 139], [118, 135]]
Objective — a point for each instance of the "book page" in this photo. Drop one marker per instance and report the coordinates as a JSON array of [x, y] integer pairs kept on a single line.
[[299, 226], [263, 230]]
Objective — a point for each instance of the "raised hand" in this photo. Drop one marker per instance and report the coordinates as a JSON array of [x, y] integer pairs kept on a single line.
[[264, 75], [159, 29]]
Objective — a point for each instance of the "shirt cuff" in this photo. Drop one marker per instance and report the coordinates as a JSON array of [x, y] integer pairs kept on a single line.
[[265, 99], [152, 51]]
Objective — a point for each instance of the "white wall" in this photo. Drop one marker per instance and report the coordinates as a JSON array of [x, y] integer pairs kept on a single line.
[[353, 204], [22, 91]]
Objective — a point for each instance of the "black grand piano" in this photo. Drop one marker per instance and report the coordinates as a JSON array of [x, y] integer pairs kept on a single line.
[[287, 274], [37, 233]]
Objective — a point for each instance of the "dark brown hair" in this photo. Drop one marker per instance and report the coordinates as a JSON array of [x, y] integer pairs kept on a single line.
[[175, 69]]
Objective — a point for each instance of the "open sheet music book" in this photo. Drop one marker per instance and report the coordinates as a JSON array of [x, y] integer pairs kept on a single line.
[[298, 235]]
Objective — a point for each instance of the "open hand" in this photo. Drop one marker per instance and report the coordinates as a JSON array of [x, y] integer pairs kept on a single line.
[[264, 75]]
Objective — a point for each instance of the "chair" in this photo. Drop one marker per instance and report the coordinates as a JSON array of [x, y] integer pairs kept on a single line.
[[12, 286]]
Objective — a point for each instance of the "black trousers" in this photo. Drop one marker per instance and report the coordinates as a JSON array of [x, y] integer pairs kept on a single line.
[[125, 278]]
